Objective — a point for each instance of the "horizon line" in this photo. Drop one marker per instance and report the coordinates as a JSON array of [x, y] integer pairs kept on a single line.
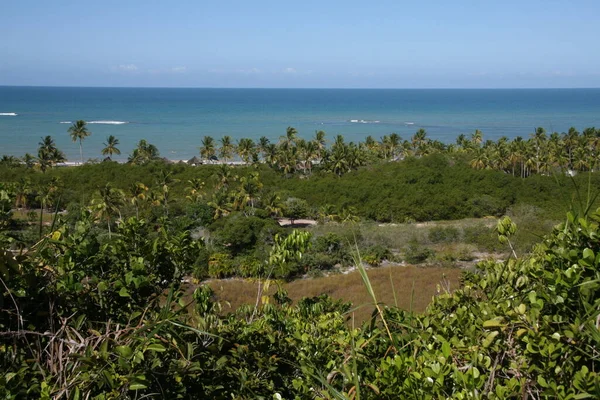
[[298, 88]]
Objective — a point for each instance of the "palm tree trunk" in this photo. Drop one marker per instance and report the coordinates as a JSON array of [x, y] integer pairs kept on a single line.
[[108, 224], [81, 150]]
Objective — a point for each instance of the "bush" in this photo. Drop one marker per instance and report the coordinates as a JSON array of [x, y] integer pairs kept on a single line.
[[248, 266], [237, 233], [295, 208], [444, 234], [319, 261], [374, 255], [417, 254], [483, 237], [220, 265]]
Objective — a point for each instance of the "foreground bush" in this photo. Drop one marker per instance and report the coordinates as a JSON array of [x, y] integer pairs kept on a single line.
[[80, 319]]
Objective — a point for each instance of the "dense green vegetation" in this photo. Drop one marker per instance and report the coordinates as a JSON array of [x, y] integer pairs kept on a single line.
[[95, 265], [86, 317]]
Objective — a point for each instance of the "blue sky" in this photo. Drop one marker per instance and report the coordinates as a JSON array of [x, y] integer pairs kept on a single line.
[[347, 44]]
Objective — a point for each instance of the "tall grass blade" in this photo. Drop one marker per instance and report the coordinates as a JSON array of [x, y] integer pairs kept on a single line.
[[367, 282], [393, 288]]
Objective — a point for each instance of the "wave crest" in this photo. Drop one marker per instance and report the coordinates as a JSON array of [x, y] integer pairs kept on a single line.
[[65, 122], [363, 121], [108, 122], [8, 114]]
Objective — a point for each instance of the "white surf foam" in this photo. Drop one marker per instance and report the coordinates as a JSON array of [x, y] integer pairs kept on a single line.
[[409, 123], [363, 121], [65, 122], [108, 122], [8, 114]]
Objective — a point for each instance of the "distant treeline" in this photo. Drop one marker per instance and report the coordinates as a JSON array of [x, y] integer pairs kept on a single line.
[[541, 153], [436, 187]]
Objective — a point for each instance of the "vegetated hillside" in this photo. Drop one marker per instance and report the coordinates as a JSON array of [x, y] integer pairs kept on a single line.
[[435, 187], [431, 188], [85, 316]]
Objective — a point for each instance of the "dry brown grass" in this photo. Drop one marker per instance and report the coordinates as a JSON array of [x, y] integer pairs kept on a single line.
[[22, 214], [349, 287]]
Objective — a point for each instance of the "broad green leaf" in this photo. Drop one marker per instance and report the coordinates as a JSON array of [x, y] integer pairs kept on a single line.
[[497, 322], [156, 347]]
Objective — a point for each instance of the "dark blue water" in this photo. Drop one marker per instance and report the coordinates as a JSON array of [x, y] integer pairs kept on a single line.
[[175, 120]]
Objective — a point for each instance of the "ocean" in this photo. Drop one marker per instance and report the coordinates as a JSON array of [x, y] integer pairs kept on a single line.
[[175, 120]]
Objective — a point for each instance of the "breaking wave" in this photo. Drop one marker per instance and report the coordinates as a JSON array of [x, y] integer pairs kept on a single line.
[[65, 122], [363, 121], [108, 122], [8, 114]]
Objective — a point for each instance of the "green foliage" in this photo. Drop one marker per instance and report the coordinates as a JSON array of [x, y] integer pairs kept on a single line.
[[294, 208], [220, 265], [417, 254], [112, 315], [237, 233], [443, 234], [374, 255]]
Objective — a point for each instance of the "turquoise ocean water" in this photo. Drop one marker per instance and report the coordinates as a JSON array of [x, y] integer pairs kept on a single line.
[[175, 120]]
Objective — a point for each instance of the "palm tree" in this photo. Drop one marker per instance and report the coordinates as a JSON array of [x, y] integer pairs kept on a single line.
[[78, 131], [163, 181], [138, 193], [245, 149], [224, 176], [144, 153], [539, 138], [263, 144], [29, 160], [476, 138], [110, 147], [48, 154], [290, 136], [227, 148], [320, 139], [463, 143], [220, 203], [385, 146], [348, 214], [248, 191], [272, 203], [196, 185], [271, 154], [419, 141], [10, 161], [327, 213], [480, 160], [22, 192], [395, 140], [107, 204], [207, 150]]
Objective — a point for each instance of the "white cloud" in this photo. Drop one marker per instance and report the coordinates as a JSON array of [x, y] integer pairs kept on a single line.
[[127, 67], [249, 71], [289, 70]]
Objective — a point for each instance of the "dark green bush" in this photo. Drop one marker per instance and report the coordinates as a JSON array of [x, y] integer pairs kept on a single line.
[[417, 254], [444, 234]]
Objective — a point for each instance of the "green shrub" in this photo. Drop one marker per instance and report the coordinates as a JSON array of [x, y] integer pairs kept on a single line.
[[374, 255], [483, 237], [444, 234], [319, 261], [248, 266], [237, 233], [417, 254], [220, 265]]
